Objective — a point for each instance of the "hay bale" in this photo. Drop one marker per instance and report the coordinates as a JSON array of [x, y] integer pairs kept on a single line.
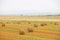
[[21, 32], [29, 23], [45, 24], [35, 25], [42, 24], [30, 30], [55, 24], [3, 25]]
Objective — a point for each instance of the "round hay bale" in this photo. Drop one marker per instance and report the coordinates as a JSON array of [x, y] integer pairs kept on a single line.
[[21, 32], [35, 25], [42, 24], [29, 23], [30, 30], [55, 24], [3, 25], [45, 24]]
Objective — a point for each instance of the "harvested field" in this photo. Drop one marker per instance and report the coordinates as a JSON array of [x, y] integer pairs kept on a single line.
[[29, 29]]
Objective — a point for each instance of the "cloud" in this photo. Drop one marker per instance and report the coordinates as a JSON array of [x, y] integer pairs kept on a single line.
[[28, 6]]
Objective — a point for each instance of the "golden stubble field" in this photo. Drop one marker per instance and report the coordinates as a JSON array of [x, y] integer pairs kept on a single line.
[[29, 28]]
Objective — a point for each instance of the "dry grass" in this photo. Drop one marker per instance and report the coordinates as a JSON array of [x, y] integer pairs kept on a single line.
[[30, 30]]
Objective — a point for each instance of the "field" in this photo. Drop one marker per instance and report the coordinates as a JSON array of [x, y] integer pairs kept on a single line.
[[29, 28]]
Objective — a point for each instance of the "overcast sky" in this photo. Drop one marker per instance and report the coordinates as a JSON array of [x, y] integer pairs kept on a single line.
[[29, 7]]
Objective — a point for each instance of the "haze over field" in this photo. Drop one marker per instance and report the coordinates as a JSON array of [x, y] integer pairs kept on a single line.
[[29, 7]]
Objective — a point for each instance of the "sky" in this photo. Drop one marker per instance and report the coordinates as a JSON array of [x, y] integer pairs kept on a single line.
[[29, 7]]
